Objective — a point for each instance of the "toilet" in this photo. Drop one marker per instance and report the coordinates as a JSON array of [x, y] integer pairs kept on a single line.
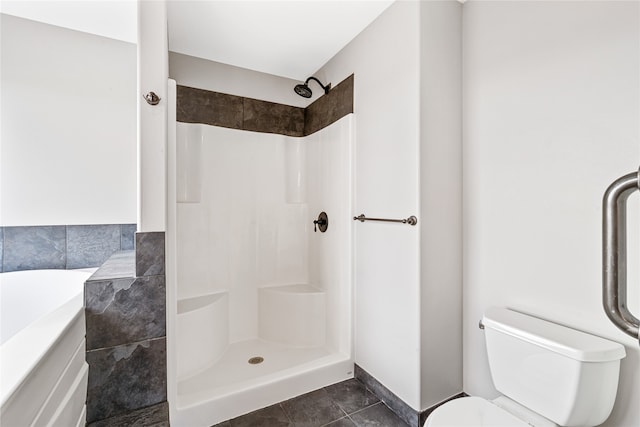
[[548, 375]]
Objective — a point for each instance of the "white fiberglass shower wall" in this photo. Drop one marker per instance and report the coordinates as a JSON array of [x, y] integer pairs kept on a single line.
[[253, 279]]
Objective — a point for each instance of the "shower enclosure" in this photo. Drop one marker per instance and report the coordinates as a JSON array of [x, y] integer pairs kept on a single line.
[[259, 302]]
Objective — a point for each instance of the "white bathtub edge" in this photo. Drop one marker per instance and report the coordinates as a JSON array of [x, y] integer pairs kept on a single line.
[[16, 364]]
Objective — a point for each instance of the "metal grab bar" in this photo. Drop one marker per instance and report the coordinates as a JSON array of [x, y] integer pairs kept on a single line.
[[614, 253], [412, 220]]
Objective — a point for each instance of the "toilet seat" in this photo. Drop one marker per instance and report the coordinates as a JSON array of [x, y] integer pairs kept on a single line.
[[472, 412]]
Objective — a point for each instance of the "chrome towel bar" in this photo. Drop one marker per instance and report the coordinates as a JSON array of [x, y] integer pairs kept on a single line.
[[614, 253], [412, 220]]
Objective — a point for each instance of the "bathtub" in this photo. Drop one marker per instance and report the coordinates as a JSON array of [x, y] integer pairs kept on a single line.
[[43, 373]]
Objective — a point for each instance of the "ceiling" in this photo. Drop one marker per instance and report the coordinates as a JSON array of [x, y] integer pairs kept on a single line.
[[286, 38], [289, 38], [113, 19]]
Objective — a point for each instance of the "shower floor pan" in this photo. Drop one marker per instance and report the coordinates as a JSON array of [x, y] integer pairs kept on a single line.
[[233, 386]]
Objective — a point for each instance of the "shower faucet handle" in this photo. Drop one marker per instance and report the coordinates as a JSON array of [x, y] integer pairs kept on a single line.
[[321, 223]]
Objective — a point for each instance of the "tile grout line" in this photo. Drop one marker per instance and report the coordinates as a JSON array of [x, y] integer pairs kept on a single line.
[[131, 343], [367, 407], [66, 246], [286, 414]]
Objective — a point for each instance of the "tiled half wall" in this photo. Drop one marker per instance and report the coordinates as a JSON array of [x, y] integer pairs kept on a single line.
[[235, 112], [62, 246], [126, 337]]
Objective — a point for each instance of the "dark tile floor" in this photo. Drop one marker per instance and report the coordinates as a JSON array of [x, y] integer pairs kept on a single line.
[[346, 404]]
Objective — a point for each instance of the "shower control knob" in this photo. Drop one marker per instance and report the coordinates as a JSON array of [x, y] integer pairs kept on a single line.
[[321, 223]]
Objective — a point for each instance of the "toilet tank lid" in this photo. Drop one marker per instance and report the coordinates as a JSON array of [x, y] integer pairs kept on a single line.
[[570, 342]]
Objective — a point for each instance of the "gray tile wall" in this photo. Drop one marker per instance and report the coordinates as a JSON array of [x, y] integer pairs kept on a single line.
[[124, 310], [149, 254], [62, 246], [126, 378], [126, 336]]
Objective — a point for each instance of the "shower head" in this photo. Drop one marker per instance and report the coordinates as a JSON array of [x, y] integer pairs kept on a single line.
[[304, 90]]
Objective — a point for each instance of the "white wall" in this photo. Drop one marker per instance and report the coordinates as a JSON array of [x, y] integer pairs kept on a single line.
[[209, 75], [68, 138], [440, 200], [551, 117], [407, 162], [385, 61], [152, 75]]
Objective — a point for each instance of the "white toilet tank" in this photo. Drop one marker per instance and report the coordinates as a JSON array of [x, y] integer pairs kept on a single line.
[[565, 375]]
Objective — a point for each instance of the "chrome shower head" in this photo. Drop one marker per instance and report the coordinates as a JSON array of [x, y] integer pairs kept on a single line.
[[304, 90]]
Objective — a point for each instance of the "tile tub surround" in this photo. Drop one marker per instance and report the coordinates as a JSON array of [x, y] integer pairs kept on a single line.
[[348, 403], [126, 337], [220, 109], [34, 248], [61, 246]]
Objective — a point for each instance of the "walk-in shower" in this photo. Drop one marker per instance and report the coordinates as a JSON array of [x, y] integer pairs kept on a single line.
[[262, 308]]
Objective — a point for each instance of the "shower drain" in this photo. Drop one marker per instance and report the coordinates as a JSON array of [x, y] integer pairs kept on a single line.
[[255, 360]]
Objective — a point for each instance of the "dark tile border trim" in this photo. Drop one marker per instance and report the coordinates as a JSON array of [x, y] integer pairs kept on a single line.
[[409, 415], [236, 112], [220, 109], [329, 108]]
